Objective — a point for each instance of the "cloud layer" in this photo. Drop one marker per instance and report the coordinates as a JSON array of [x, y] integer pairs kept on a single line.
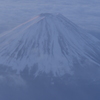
[[84, 13]]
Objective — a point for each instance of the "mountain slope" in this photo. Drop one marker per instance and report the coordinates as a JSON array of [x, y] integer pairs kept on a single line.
[[50, 42]]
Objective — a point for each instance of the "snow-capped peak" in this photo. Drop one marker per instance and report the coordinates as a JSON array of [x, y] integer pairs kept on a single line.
[[50, 42]]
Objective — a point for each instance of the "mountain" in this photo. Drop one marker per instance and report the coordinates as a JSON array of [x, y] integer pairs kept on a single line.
[[49, 58], [52, 44]]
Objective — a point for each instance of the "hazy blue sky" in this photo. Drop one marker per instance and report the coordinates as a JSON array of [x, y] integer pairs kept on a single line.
[[84, 13]]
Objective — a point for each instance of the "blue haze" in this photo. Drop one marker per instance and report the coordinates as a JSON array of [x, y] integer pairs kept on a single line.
[[85, 13]]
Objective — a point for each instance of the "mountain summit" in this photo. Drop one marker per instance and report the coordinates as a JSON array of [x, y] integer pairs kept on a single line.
[[50, 42]]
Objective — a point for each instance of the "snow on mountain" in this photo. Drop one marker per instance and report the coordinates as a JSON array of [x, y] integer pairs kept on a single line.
[[50, 42]]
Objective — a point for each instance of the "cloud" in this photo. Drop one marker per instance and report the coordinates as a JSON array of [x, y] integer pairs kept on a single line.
[[1, 78], [84, 13], [12, 80]]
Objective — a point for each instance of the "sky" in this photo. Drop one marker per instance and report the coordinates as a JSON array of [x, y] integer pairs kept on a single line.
[[85, 13]]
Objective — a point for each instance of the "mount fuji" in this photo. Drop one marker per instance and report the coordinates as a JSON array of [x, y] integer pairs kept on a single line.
[[52, 44]]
